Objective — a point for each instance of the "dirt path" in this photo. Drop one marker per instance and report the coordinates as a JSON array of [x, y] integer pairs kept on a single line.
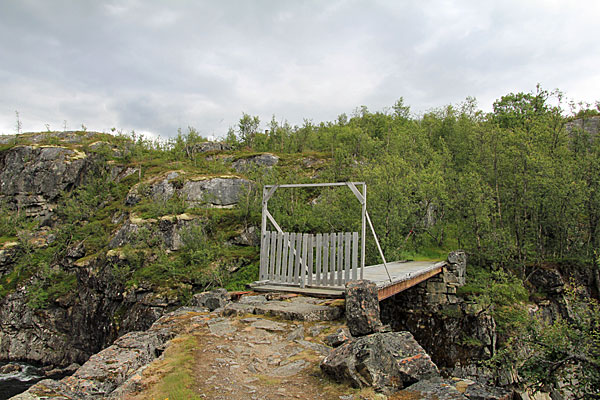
[[252, 357]]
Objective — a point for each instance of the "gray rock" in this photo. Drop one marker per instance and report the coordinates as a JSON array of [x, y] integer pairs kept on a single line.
[[270, 326], [338, 338], [248, 237], [289, 369], [33, 177], [433, 389], [216, 298], [259, 161], [298, 311], [386, 361], [219, 192], [206, 147], [362, 308]]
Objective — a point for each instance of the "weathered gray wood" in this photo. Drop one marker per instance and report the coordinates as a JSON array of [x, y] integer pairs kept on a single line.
[[272, 255], [279, 255], [319, 251], [304, 264], [358, 195], [347, 263], [363, 232], [284, 258], [265, 256], [290, 271], [325, 276], [299, 185], [332, 258], [354, 255], [275, 224], [298, 255], [340, 259], [309, 258]]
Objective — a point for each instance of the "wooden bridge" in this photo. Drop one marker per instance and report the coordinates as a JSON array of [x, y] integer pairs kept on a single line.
[[321, 264]]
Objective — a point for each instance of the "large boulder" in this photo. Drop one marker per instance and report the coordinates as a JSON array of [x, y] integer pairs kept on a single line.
[[265, 160], [216, 298], [32, 177], [387, 361], [362, 308], [216, 192]]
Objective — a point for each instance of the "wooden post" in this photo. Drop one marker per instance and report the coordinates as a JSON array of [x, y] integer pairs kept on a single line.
[[364, 231]]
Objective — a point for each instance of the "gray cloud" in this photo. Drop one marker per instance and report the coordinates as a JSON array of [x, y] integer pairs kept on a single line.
[[155, 66]]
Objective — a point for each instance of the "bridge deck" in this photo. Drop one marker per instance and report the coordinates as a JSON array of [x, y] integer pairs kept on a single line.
[[404, 275]]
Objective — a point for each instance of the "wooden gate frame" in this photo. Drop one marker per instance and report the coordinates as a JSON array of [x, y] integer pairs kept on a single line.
[[269, 190]]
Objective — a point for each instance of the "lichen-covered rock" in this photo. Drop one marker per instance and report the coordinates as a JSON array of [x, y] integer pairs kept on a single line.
[[338, 338], [259, 161], [216, 298], [217, 192], [386, 361], [362, 308], [32, 177], [248, 237]]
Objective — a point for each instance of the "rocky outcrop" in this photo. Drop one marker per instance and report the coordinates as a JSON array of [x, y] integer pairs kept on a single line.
[[265, 160], [81, 322], [386, 361], [111, 367], [212, 300], [362, 308], [224, 191], [168, 228], [32, 177], [455, 389], [454, 332]]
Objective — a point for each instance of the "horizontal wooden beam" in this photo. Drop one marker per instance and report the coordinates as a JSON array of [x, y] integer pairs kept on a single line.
[[299, 185], [390, 290]]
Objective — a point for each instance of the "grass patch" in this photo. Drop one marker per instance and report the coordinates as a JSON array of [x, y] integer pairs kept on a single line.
[[174, 375]]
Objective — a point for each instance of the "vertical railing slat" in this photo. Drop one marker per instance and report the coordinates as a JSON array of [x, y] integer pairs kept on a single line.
[[304, 264], [278, 257], [284, 258], [347, 262], [309, 259], [354, 256], [340, 259], [265, 256], [325, 275], [332, 259], [272, 256], [298, 257], [319, 250], [292, 244]]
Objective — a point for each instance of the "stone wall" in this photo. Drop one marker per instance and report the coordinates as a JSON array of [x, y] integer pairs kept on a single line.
[[454, 332]]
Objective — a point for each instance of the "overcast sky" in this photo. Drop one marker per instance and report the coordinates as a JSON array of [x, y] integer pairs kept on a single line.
[[156, 66]]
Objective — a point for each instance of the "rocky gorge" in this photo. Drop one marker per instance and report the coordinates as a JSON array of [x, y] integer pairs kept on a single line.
[[103, 287]]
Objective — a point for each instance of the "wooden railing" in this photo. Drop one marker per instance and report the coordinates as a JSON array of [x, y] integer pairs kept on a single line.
[[329, 259]]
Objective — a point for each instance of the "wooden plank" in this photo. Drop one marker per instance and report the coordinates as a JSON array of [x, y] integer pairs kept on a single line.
[[340, 259], [272, 256], [354, 256], [265, 256], [298, 255], [319, 250], [347, 262], [279, 256], [303, 264], [332, 249], [363, 232], [300, 185], [309, 259], [325, 276], [290, 271], [309, 291], [390, 290], [284, 258]]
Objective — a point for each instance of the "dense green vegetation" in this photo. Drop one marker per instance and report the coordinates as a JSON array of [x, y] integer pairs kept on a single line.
[[514, 188]]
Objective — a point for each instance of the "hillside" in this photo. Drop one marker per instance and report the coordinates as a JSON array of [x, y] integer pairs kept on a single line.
[[102, 234]]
